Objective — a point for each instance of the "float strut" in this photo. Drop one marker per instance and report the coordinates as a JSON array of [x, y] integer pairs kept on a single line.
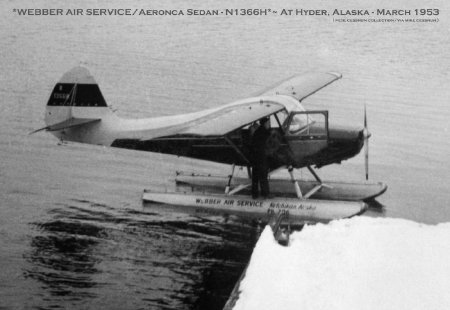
[[314, 174], [318, 186], [298, 191], [227, 188]]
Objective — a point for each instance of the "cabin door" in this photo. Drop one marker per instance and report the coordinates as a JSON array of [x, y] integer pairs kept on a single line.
[[307, 134]]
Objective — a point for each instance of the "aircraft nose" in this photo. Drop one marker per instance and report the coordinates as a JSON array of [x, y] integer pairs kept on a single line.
[[346, 133], [362, 136], [366, 134], [348, 140], [344, 142]]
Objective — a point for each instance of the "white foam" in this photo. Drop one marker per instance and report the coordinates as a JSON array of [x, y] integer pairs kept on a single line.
[[359, 263]]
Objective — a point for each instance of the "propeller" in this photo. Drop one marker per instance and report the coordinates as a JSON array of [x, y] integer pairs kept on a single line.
[[366, 135]]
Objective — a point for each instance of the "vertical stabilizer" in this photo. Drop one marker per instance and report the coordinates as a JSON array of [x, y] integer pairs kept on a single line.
[[77, 87], [76, 95]]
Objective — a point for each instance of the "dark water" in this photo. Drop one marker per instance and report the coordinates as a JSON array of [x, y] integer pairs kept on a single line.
[[73, 230], [135, 259]]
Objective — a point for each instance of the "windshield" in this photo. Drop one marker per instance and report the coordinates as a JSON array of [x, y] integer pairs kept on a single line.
[[281, 116]]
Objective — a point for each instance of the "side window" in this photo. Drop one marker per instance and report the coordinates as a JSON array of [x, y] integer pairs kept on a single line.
[[308, 125], [300, 123]]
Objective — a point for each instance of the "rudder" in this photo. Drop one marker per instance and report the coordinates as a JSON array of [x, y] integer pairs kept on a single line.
[[78, 88], [76, 101], [75, 96]]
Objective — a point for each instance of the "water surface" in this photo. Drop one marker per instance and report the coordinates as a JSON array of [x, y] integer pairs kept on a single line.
[[73, 230]]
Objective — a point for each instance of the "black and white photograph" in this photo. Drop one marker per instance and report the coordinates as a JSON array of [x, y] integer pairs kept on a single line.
[[235, 155]]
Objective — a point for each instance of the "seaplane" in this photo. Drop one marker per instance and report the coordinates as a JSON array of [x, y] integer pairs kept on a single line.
[[299, 139]]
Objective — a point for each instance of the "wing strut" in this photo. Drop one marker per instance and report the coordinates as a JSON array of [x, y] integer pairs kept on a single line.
[[237, 149]]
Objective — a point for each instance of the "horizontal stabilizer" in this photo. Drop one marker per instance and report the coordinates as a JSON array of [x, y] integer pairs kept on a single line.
[[69, 123]]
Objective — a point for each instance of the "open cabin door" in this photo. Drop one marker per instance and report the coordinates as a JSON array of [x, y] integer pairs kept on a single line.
[[307, 134]]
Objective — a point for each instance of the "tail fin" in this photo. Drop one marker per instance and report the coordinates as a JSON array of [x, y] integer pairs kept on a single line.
[[77, 88], [76, 100]]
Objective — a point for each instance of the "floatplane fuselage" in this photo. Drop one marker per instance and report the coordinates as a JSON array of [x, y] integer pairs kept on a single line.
[[77, 111]]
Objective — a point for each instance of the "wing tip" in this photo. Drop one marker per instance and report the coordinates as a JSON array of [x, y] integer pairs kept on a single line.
[[336, 74]]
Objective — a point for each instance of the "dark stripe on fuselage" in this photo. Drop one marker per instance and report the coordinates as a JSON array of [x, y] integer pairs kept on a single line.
[[217, 150], [86, 95], [343, 144]]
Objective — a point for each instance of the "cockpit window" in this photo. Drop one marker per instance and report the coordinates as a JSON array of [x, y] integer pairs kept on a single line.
[[301, 123], [309, 125]]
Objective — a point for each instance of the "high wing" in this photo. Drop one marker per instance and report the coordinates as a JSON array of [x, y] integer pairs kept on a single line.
[[227, 119], [302, 86], [213, 135]]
